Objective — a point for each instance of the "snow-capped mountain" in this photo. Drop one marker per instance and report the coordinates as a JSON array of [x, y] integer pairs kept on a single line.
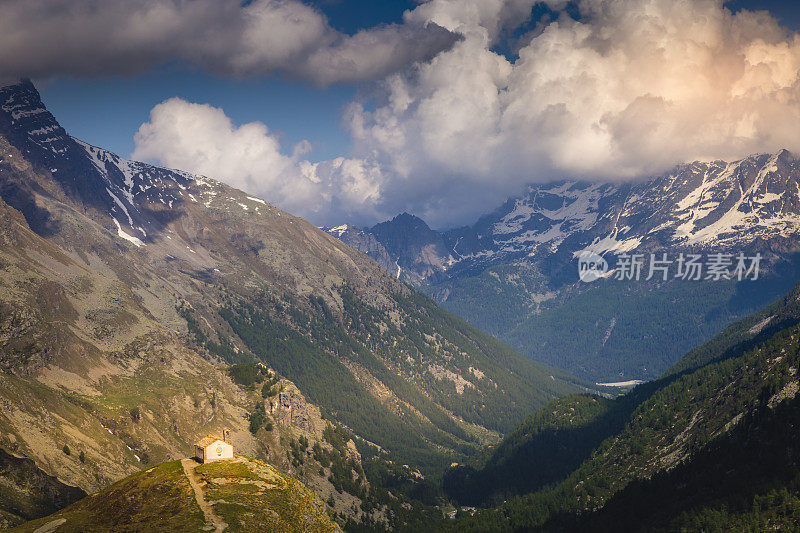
[[718, 203], [710, 205], [139, 199], [514, 273]]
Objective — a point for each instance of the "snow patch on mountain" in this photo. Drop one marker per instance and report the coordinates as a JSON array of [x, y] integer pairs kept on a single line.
[[337, 231], [551, 209], [609, 243], [756, 212], [18, 110], [130, 238]]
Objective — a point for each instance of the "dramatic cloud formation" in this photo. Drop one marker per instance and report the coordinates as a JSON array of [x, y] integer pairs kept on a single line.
[[41, 38], [633, 88], [630, 89]]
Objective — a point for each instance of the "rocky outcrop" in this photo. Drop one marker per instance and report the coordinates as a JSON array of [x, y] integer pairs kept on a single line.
[[289, 408]]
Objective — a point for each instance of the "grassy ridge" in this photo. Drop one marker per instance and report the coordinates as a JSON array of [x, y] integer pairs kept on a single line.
[[252, 496], [159, 498], [247, 494]]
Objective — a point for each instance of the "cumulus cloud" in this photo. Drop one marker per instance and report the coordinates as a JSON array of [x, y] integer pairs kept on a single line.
[[41, 38], [628, 90], [203, 140]]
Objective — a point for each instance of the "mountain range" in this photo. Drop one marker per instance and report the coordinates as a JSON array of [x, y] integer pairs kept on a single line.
[[143, 307], [514, 273]]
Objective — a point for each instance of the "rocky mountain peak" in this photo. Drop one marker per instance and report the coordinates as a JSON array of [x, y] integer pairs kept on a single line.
[[402, 227], [23, 114], [27, 124], [714, 204]]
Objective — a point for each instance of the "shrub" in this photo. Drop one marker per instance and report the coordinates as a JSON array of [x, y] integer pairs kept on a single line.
[[258, 418], [245, 374]]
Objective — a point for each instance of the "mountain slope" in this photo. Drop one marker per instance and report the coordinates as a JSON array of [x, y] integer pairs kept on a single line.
[[514, 273], [28, 493], [688, 417], [93, 388], [747, 479], [542, 451], [128, 291]]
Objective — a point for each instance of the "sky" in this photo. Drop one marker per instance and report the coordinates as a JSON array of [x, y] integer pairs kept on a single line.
[[356, 110]]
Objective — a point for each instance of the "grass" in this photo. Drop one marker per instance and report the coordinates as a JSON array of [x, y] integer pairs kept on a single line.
[[252, 496], [249, 496], [158, 499], [226, 469]]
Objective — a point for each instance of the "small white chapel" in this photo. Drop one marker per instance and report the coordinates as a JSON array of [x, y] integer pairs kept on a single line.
[[211, 448]]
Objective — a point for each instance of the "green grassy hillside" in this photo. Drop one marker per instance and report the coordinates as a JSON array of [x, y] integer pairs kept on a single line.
[[245, 494]]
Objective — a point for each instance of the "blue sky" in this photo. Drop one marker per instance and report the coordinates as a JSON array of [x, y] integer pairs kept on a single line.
[[787, 11], [108, 111]]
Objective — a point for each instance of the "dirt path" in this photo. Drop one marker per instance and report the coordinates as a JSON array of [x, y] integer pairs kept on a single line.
[[211, 516], [51, 526]]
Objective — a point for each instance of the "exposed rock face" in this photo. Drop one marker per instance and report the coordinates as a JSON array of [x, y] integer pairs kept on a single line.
[[289, 408], [366, 243], [410, 241], [405, 246]]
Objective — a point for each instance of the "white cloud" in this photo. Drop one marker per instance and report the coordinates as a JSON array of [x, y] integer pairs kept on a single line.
[[633, 88], [201, 139], [41, 38]]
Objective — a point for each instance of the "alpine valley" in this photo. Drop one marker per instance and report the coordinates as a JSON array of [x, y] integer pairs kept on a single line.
[[514, 273], [142, 308], [709, 446]]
